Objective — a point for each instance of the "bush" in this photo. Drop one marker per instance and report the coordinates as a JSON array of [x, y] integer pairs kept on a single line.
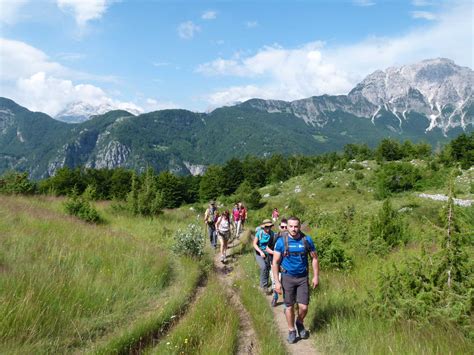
[[16, 183], [80, 207], [331, 253], [189, 242], [395, 177], [387, 227]]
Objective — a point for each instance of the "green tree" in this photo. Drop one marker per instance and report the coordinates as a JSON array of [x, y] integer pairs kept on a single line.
[[387, 226], [233, 175], [171, 188], [388, 150], [212, 183]]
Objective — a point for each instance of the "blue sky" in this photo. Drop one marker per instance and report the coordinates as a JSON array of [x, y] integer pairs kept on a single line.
[[147, 55]]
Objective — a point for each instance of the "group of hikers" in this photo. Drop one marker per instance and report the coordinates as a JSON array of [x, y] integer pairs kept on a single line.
[[220, 226], [282, 256]]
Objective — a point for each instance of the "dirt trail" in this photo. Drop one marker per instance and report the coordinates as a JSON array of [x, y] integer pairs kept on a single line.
[[247, 336], [301, 347]]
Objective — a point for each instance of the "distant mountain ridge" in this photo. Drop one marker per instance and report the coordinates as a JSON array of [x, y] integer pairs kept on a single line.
[[431, 101], [436, 88]]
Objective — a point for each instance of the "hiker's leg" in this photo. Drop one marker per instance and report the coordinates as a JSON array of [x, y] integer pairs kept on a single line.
[[263, 269], [221, 242], [302, 297], [289, 297], [302, 311], [210, 231], [237, 230]]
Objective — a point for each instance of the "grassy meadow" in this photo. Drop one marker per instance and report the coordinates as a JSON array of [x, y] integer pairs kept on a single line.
[[67, 286]]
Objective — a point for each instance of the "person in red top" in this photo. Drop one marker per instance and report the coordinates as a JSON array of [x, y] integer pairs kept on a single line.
[[236, 219], [243, 215], [275, 215]]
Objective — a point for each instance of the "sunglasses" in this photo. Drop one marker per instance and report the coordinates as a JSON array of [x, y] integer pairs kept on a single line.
[[284, 227]]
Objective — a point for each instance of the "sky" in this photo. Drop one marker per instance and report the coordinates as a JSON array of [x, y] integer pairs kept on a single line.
[[146, 55]]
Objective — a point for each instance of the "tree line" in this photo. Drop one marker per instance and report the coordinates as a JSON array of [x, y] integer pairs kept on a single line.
[[242, 176]]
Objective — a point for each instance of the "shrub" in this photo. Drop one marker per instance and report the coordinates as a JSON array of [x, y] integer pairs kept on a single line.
[[16, 183], [189, 242], [387, 227], [355, 166], [80, 207], [395, 177], [331, 253]]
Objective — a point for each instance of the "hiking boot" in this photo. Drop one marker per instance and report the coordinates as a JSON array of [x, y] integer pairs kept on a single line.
[[304, 334], [292, 336], [222, 259]]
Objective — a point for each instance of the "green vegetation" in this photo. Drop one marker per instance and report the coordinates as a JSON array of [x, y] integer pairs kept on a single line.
[[210, 327], [395, 269]]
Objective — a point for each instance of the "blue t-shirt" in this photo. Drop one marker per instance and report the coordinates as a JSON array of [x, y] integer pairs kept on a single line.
[[295, 265]]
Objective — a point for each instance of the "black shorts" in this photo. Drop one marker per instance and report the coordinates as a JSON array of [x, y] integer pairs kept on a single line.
[[295, 289]]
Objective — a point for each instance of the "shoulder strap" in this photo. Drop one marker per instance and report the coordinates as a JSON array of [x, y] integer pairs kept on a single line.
[[285, 241]]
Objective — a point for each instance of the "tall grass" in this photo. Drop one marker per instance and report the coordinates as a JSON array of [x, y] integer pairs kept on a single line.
[[65, 284], [170, 306], [211, 327]]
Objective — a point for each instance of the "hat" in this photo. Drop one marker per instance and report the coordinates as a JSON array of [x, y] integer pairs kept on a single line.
[[212, 202], [267, 223]]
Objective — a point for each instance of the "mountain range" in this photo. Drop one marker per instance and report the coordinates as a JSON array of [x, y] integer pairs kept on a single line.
[[431, 100]]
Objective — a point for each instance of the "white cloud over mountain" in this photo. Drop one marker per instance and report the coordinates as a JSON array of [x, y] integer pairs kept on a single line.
[[316, 68], [39, 83]]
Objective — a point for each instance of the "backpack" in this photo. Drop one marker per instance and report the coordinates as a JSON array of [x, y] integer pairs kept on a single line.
[[263, 239], [307, 248], [211, 216]]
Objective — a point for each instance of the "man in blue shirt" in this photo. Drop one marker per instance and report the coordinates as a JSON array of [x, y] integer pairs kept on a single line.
[[291, 254]]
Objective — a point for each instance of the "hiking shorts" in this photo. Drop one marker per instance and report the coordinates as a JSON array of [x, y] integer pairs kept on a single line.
[[295, 289], [224, 235]]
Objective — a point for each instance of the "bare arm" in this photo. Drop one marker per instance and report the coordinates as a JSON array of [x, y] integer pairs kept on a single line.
[[256, 247], [276, 270], [315, 264]]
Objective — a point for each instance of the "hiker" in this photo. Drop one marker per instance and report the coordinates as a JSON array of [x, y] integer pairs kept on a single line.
[[275, 215], [263, 253], [243, 215], [291, 257], [209, 220], [223, 230], [236, 219], [283, 228]]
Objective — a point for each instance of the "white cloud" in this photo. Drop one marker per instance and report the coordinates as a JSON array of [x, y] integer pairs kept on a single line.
[[209, 15], [251, 24], [364, 2], [155, 105], [315, 68], [31, 78], [49, 94], [188, 29], [84, 10], [425, 15], [10, 10], [18, 59]]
